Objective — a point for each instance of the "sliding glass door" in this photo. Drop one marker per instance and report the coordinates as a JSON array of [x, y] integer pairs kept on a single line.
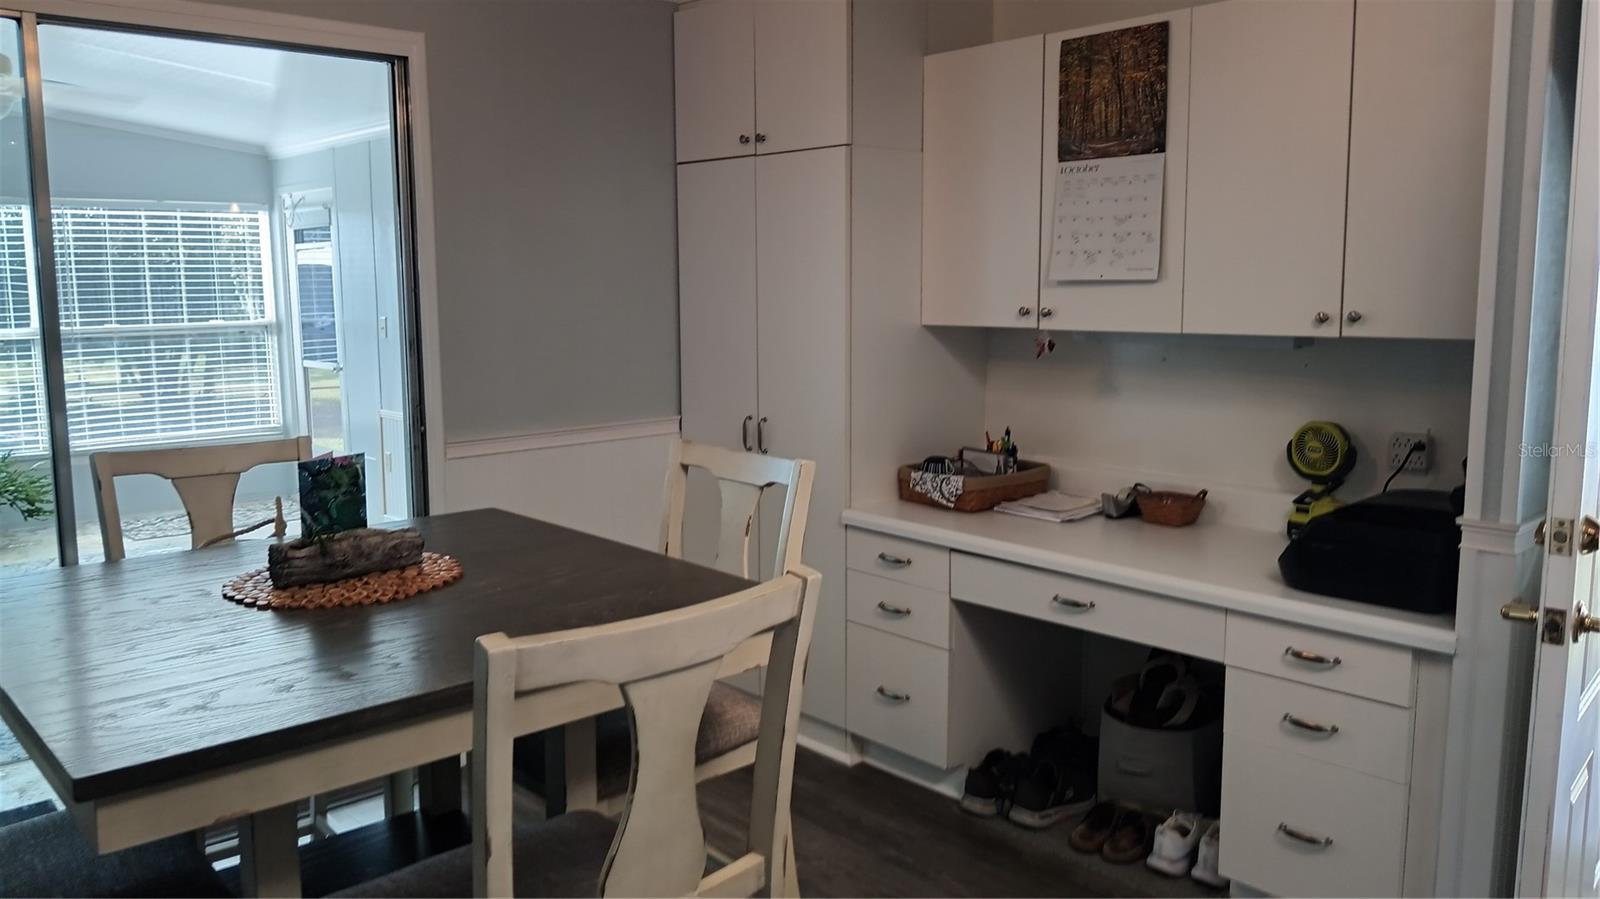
[[222, 262]]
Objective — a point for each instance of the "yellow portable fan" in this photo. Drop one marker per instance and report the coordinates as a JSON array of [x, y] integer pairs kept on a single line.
[[1322, 453]]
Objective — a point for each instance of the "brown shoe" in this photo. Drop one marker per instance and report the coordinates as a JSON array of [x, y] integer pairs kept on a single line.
[[1095, 828], [1131, 838]]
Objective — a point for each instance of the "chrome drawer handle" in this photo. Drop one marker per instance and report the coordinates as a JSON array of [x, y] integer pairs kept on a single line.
[[1326, 730], [1311, 658], [1076, 605], [901, 611], [896, 561], [893, 695], [1303, 837]]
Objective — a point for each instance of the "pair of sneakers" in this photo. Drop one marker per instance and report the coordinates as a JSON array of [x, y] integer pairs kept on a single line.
[[1054, 780], [1183, 837]]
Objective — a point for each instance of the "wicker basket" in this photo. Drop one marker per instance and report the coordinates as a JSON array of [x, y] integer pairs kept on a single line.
[[1175, 510], [980, 493]]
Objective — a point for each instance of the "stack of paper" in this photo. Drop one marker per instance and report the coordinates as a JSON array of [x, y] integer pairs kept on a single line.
[[1052, 506]]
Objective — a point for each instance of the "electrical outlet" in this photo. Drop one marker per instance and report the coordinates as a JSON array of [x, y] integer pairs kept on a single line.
[[1400, 442]]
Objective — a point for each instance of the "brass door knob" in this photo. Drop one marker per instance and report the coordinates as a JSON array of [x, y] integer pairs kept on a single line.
[[1588, 536], [1583, 622]]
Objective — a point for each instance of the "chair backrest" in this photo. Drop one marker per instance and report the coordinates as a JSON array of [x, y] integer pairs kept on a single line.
[[664, 666], [741, 477], [206, 478]]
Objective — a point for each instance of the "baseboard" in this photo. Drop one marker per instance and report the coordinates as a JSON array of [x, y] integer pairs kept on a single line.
[[827, 740], [947, 783]]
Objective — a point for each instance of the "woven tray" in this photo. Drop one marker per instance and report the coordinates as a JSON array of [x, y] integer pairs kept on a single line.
[[983, 492], [254, 588]]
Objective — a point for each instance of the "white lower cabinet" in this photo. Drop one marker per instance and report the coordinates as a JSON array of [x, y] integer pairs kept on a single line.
[[899, 693], [1294, 826]]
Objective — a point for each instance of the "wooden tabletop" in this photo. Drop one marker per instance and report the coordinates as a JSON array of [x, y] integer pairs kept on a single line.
[[134, 673]]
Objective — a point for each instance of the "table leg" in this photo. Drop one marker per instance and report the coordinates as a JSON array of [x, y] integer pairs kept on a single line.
[[269, 862], [439, 786], [398, 795], [583, 789]]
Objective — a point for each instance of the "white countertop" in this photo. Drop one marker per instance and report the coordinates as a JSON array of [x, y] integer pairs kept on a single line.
[[1219, 565]]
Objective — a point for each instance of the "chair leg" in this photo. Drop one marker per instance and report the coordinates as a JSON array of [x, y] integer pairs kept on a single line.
[[790, 885]]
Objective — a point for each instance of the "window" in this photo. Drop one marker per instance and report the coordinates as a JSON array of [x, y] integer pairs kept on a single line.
[[167, 328], [313, 275]]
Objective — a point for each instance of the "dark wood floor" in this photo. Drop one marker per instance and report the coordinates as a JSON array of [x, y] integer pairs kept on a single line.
[[862, 832]]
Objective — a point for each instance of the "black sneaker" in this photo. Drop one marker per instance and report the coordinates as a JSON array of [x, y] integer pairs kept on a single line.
[[1049, 792], [990, 785]]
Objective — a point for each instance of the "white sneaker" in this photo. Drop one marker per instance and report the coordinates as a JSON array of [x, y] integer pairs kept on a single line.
[[1174, 844], [1205, 867]]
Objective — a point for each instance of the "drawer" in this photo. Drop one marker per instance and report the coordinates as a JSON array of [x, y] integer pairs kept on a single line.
[[1089, 605], [1367, 736], [1321, 659], [897, 608], [907, 561], [1266, 790], [899, 693]]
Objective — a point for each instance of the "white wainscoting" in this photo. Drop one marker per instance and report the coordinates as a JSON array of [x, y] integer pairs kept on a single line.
[[605, 479]]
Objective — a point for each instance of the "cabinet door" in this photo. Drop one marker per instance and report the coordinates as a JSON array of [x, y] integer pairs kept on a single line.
[[1149, 306], [803, 258], [1269, 124], [980, 241], [1418, 131], [714, 69], [717, 327], [802, 74]]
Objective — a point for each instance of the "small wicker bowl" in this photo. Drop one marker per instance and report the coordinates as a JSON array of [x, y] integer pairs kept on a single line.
[[1174, 510]]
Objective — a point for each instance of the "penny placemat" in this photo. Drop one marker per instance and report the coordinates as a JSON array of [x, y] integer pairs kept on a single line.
[[254, 588]]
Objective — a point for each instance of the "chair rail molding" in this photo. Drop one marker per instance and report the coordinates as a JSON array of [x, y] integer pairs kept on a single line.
[[557, 437]]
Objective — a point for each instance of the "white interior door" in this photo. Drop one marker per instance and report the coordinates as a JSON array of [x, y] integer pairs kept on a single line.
[[717, 329], [1560, 853], [803, 253]]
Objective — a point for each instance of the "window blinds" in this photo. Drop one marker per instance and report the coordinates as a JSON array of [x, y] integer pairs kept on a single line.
[[167, 328]]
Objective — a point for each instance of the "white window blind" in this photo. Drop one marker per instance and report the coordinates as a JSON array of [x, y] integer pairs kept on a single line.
[[167, 329]]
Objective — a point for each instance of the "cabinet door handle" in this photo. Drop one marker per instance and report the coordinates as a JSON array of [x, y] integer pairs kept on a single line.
[[1322, 318], [760, 138], [898, 611], [1293, 720], [1076, 605], [744, 138], [744, 432], [1311, 658], [1301, 836], [1352, 316], [761, 435], [1024, 311], [1046, 312], [896, 561], [894, 696]]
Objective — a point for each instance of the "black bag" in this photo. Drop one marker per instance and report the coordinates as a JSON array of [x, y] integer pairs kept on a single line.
[[1400, 549]]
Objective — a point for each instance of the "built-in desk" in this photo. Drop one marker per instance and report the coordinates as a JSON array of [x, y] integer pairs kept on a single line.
[[1334, 710]]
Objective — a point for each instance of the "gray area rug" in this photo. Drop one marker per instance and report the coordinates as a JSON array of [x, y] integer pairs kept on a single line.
[[10, 749]]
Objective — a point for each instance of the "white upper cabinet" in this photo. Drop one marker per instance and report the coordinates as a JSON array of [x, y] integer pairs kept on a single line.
[[1269, 113], [802, 74], [1418, 132], [980, 195], [761, 77], [714, 70], [1151, 306]]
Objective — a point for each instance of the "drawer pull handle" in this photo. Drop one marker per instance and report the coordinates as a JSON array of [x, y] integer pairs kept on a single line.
[[900, 611], [1311, 658], [896, 561], [1303, 837], [894, 696], [1296, 721], [1076, 605]]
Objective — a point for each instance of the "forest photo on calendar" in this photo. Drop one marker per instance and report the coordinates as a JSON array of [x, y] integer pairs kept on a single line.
[[1113, 99]]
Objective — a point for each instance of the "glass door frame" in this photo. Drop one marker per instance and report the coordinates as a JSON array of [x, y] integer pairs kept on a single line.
[[51, 354], [403, 52]]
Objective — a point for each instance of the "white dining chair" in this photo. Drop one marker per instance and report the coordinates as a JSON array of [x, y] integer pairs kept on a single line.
[[206, 478], [664, 667], [595, 757]]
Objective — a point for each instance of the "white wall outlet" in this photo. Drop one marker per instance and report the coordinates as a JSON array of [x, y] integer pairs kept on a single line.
[[1400, 442]]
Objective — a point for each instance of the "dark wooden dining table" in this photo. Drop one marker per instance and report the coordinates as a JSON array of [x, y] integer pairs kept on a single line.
[[153, 706]]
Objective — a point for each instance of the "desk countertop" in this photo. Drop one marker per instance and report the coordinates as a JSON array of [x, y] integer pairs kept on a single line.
[[1218, 565]]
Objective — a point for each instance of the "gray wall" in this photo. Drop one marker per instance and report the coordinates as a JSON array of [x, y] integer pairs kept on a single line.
[[554, 205]]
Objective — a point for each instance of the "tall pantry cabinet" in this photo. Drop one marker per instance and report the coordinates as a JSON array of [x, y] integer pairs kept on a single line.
[[799, 274]]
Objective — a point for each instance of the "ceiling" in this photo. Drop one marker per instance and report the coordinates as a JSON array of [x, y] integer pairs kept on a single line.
[[268, 100]]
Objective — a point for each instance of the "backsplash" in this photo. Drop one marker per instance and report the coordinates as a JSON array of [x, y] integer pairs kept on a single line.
[[1194, 411]]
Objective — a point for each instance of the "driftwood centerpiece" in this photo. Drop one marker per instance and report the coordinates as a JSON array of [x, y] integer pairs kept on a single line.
[[343, 555]]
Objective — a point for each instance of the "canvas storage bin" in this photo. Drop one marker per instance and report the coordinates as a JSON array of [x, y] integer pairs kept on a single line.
[[1160, 769]]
